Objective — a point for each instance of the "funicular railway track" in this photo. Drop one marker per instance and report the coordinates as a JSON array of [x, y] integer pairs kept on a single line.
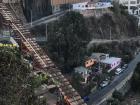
[[71, 96]]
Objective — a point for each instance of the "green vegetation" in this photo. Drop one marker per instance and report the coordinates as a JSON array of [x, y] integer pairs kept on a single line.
[[135, 84], [113, 101], [39, 79], [67, 39], [15, 85], [76, 79], [116, 94], [124, 50], [116, 99], [83, 89], [39, 8], [115, 25]]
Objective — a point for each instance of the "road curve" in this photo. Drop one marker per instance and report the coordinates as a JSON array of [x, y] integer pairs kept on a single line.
[[45, 20], [99, 95]]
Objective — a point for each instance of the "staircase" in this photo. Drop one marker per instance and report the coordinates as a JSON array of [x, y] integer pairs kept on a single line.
[[71, 96]]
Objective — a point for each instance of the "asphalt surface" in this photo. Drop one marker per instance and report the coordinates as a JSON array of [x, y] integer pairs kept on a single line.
[[97, 97], [45, 20], [99, 41]]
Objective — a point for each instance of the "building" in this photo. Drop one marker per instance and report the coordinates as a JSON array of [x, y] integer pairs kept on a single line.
[[35, 9], [111, 63], [95, 58], [7, 41], [92, 5], [58, 5], [133, 6], [61, 2], [89, 62], [99, 56], [84, 72], [106, 61]]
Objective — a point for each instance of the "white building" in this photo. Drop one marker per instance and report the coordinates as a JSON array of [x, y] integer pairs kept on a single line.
[[111, 62], [104, 59], [91, 5], [132, 5]]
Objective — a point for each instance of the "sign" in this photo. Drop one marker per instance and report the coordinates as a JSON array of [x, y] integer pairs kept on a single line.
[[8, 45]]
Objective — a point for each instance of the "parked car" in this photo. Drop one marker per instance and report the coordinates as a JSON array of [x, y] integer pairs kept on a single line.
[[86, 99], [118, 71], [104, 83], [125, 66]]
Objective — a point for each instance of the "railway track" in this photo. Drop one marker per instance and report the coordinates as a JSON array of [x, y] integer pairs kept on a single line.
[[71, 96]]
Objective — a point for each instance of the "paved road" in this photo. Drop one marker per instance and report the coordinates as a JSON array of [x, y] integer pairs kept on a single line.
[[99, 95], [45, 20], [98, 41]]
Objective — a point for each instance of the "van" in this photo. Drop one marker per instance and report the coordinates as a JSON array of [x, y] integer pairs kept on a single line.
[[118, 71]]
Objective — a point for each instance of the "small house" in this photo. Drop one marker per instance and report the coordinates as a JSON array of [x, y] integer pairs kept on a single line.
[[89, 62], [111, 62], [99, 56], [84, 72]]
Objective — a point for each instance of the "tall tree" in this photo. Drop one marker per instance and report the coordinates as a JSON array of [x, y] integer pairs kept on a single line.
[[14, 79], [135, 84], [69, 37]]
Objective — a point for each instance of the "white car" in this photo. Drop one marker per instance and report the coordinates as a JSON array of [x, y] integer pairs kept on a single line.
[[125, 66], [118, 71], [104, 83]]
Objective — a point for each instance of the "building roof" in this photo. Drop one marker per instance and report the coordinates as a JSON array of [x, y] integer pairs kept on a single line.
[[98, 55], [110, 60], [59, 2], [105, 0]]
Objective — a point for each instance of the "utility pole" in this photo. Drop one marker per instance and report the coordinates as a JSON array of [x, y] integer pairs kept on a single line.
[[46, 32], [99, 64], [128, 6], [110, 34], [31, 16]]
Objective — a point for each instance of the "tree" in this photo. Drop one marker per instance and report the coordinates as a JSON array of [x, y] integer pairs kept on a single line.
[[135, 84], [116, 24], [39, 8], [14, 79], [113, 102], [69, 37], [117, 95]]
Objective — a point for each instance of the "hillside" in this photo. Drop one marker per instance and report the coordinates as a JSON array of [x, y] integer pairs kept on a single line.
[[115, 25], [15, 82]]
